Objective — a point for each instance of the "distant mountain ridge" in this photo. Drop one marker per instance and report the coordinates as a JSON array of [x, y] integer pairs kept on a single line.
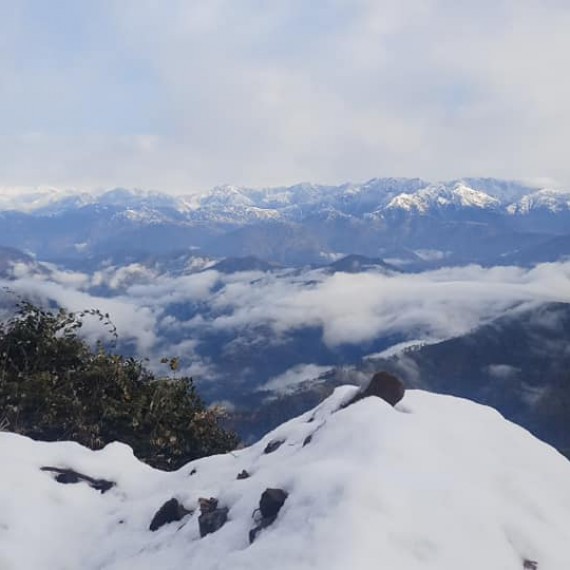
[[472, 220], [291, 202]]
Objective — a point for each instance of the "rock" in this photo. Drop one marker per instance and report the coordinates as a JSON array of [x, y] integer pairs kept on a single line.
[[212, 517], [383, 385], [308, 440], [243, 475], [255, 531], [68, 476], [171, 511], [271, 502], [273, 445], [208, 505], [269, 506], [530, 565]]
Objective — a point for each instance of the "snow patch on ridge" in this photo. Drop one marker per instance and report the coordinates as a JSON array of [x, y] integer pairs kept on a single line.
[[440, 196], [435, 483], [552, 200]]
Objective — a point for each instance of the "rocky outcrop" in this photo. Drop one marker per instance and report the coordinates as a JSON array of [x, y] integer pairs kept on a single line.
[[383, 385]]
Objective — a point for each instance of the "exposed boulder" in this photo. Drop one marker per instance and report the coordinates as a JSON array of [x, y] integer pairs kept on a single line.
[[383, 385], [271, 502], [269, 506], [212, 517], [243, 475], [171, 511], [68, 476], [273, 445]]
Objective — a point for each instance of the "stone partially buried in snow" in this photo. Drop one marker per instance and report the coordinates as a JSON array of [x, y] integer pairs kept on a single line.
[[271, 502], [383, 385], [212, 517], [68, 476], [171, 511], [273, 445], [269, 506]]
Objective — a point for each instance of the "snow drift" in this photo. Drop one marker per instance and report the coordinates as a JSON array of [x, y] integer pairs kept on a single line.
[[435, 483]]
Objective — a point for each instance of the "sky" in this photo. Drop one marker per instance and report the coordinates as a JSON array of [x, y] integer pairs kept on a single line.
[[183, 95]]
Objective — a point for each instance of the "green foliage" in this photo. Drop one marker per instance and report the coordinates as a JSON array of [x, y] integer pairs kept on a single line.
[[54, 386]]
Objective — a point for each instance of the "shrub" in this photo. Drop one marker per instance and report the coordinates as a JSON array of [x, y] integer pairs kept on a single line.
[[54, 386]]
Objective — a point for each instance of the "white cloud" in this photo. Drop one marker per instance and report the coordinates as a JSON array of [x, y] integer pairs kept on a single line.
[[355, 308], [185, 94], [347, 308], [289, 380]]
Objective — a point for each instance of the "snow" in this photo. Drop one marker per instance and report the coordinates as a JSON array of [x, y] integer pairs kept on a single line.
[[29, 199], [437, 483], [553, 200], [441, 196], [236, 204]]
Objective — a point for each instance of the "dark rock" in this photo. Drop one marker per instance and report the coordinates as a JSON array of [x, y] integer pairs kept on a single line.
[[257, 529], [269, 506], [273, 445], [271, 502], [171, 511], [530, 565], [212, 517], [383, 385], [69, 477], [208, 505], [193, 472], [243, 475], [308, 440]]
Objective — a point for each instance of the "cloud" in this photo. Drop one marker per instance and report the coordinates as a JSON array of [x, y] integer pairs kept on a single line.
[[289, 380], [502, 371], [135, 323], [247, 312], [355, 308], [182, 95]]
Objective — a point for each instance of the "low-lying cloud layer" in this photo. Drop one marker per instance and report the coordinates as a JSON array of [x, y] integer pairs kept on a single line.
[[161, 313]]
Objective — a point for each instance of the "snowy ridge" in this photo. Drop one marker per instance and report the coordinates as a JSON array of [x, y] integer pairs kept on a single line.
[[551, 200], [435, 483], [440, 196], [33, 199], [234, 204]]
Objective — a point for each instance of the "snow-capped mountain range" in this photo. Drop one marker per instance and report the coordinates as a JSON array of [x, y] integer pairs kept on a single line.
[[234, 203], [479, 220]]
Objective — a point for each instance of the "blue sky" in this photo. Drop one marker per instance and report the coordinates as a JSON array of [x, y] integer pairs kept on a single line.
[[181, 95]]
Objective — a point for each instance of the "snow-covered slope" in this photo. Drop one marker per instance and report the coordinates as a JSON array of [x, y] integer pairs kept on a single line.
[[34, 199], [548, 200], [436, 483], [441, 196]]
